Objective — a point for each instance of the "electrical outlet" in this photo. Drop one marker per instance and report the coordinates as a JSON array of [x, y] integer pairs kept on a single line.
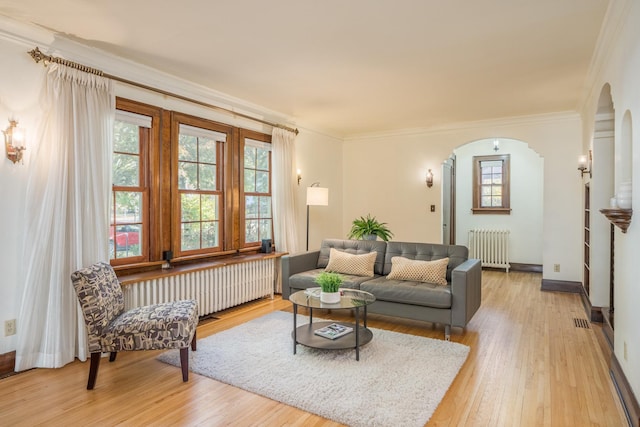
[[9, 327], [625, 351], [556, 268]]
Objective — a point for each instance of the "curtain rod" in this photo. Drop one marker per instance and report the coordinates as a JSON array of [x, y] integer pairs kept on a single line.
[[38, 56]]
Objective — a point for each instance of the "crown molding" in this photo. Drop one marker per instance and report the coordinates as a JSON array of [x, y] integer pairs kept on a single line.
[[562, 116]]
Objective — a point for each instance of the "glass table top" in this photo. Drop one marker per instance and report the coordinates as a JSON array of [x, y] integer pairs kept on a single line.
[[350, 298]]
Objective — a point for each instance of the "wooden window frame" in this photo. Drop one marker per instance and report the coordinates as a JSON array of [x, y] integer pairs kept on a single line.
[[505, 209], [247, 134], [225, 187], [149, 153], [162, 221]]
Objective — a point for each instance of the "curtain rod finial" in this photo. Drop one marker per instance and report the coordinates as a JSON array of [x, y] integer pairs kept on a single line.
[[37, 55]]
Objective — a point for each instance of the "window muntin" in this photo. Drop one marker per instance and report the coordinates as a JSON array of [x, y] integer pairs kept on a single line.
[[258, 215], [491, 184], [200, 190], [128, 240]]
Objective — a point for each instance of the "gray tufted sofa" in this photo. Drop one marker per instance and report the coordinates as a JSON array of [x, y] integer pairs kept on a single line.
[[451, 305]]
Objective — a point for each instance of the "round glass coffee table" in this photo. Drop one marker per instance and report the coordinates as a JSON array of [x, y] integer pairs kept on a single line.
[[351, 299]]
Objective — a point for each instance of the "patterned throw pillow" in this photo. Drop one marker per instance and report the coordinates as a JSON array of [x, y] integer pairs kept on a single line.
[[419, 271], [346, 263]]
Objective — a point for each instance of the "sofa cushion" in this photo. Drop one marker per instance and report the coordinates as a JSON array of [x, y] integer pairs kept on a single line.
[[346, 263], [355, 247], [307, 279], [419, 271], [409, 292], [426, 252]]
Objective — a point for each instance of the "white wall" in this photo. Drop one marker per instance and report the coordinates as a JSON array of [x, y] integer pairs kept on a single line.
[[384, 175], [20, 84], [526, 198], [618, 64], [319, 160]]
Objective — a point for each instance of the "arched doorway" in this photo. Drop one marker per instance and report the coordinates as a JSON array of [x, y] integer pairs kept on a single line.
[[525, 220]]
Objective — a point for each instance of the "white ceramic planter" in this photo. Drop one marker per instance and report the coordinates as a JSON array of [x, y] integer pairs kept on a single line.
[[330, 297]]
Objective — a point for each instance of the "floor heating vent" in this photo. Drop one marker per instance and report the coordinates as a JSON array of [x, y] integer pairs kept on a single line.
[[581, 323]]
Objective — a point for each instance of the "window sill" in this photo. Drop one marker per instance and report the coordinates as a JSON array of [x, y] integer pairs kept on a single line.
[[491, 211], [127, 278]]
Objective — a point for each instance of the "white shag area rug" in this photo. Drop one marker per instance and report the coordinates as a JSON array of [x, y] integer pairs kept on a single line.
[[399, 380]]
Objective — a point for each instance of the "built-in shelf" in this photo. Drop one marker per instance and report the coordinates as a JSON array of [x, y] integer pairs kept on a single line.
[[620, 217]]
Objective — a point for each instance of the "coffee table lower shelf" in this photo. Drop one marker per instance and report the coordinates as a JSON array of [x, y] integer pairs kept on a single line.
[[304, 335]]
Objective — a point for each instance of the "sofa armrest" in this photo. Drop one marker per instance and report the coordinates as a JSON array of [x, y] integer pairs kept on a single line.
[[466, 291], [297, 263]]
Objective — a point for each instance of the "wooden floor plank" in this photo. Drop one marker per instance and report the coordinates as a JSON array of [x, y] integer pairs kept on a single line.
[[528, 366]]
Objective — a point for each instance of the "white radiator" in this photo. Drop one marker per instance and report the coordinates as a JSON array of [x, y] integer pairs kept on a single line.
[[215, 289], [490, 246]]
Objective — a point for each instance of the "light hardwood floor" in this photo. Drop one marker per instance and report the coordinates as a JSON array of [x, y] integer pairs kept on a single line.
[[529, 365]]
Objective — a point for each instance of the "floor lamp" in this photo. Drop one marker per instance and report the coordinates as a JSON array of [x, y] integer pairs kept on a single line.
[[316, 196]]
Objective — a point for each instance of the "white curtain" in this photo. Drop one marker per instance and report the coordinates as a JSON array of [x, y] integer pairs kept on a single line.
[[67, 213], [284, 190]]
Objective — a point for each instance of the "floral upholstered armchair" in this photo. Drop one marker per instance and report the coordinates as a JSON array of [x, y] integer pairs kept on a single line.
[[112, 329]]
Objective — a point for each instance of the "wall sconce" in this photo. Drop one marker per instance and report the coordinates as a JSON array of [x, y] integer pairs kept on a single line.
[[585, 165], [299, 174], [14, 141], [429, 178], [496, 145]]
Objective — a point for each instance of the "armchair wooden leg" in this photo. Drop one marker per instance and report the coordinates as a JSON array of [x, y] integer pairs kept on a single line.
[[193, 341], [112, 356], [93, 370], [184, 363]]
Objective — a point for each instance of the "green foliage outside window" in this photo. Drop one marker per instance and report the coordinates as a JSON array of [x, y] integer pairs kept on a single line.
[[197, 171], [258, 217]]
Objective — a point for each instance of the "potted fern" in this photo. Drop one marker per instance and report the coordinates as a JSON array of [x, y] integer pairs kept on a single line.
[[329, 286], [369, 228]]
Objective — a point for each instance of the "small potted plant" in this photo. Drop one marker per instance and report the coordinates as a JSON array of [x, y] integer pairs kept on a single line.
[[329, 287], [369, 228]]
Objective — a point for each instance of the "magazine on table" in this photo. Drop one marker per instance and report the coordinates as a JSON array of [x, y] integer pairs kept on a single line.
[[333, 331]]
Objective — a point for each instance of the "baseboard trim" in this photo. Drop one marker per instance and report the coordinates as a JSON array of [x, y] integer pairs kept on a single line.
[[515, 266], [526, 268], [595, 312], [7, 363], [629, 401], [561, 286]]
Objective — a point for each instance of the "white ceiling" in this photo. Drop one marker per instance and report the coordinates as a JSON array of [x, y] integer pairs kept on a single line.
[[352, 67]]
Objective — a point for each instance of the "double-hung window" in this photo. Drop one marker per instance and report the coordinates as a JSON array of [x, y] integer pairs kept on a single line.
[[200, 190], [491, 185], [128, 207], [258, 217]]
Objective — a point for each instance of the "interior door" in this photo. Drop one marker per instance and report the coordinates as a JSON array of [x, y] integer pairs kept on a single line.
[[449, 201]]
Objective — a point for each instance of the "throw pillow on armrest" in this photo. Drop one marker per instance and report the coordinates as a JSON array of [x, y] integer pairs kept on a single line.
[[356, 265], [419, 271]]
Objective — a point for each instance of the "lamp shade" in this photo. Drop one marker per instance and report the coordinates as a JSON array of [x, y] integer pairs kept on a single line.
[[317, 196]]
